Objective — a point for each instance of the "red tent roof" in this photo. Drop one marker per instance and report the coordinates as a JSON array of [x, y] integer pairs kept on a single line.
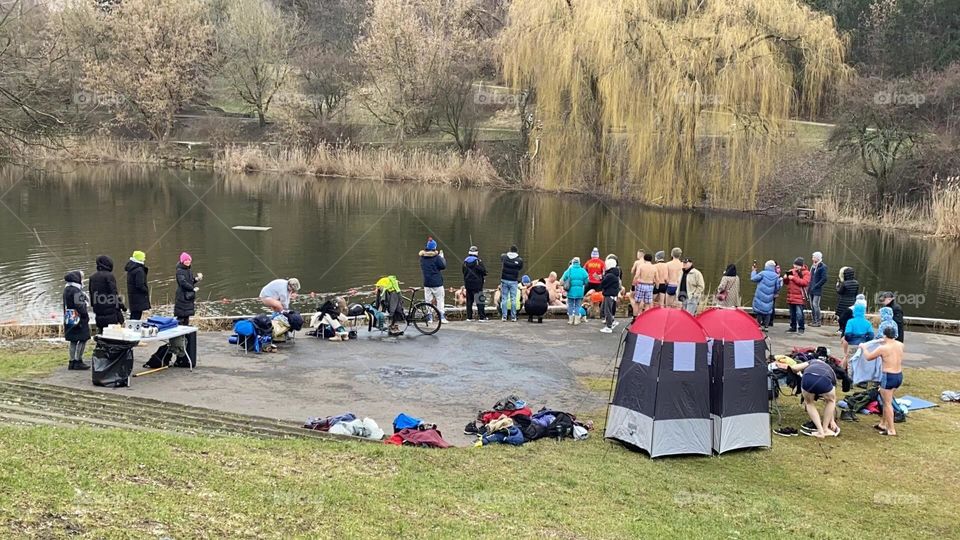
[[730, 325], [669, 324]]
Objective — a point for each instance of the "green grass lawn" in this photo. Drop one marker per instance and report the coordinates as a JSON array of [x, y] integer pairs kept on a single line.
[[112, 483]]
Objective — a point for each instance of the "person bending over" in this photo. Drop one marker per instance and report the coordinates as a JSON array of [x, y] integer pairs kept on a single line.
[[538, 299], [819, 381], [892, 377], [277, 294]]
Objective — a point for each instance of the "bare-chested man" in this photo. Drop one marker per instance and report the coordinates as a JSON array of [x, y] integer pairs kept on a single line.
[[636, 265], [554, 290], [644, 278], [660, 285], [674, 271], [892, 354]]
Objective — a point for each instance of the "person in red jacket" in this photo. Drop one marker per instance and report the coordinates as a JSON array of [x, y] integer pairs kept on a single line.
[[797, 279], [595, 268]]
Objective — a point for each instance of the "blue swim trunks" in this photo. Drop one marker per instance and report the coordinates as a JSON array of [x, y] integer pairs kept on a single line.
[[671, 290], [891, 381]]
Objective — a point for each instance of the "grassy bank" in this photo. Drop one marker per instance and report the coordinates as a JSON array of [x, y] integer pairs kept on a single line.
[[113, 483]]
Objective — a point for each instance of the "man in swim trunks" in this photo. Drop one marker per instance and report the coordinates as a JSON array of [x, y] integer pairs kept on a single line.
[[660, 284], [819, 381], [892, 377], [674, 271], [645, 279]]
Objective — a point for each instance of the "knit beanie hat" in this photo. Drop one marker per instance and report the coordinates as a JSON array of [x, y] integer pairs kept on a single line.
[[139, 257], [431, 244], [798, 261], [659, 256], [185, 258], [610, 263], [473, 251], [525, 279], [595, 253]]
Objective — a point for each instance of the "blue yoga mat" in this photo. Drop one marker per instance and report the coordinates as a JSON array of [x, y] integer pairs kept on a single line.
[[917, 403]]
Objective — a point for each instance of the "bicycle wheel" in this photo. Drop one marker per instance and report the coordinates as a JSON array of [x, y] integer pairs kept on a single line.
[[425, 318]]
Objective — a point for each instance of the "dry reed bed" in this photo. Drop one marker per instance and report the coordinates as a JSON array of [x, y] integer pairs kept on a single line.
[[938, 217], [380, 164]]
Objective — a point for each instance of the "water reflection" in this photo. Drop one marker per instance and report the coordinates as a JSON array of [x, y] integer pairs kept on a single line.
[[335, 234]]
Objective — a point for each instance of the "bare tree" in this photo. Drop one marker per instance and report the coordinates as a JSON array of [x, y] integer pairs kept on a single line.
[[258, 40], [147, 58]]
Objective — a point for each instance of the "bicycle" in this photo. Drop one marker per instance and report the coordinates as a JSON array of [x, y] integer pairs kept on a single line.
[[424, 316]]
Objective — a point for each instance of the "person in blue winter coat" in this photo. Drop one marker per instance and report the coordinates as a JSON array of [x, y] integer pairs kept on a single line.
[[432, 264], [575, 280], [768, 285], [818, 278]]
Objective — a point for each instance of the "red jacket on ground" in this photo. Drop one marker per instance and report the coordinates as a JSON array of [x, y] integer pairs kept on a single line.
[[595, 268], [797, 285]]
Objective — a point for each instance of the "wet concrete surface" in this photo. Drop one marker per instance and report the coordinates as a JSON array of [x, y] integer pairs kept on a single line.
[[444, 379]]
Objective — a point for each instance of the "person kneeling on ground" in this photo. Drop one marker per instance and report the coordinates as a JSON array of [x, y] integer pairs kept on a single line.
[[892, 377], [538, 299], [277, 294], [819, 381], [610, 287]]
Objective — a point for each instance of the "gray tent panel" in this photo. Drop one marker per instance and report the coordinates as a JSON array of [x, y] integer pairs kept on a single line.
[[683, 436], [741, 431], [630, 426], [637, 376]]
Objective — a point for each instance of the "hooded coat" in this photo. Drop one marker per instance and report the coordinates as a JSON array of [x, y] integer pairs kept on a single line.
[[610, 284], [186, 297], [897, 318], [538, 299], [512, 264], [138, 293], [432, 264], [104, 297], [74, 298], [474, 273], [796, 284], [578, 280], [768, 284], [847, 291], [886, 320], [858, 329]]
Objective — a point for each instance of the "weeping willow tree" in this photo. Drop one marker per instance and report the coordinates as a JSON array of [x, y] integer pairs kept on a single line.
[[670, 101]]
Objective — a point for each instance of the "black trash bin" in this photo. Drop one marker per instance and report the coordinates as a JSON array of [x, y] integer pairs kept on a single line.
[[112, 362]]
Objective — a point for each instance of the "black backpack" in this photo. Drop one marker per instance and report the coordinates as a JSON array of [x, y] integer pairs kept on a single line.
[[295, 320], [561, 427], [263, 324]]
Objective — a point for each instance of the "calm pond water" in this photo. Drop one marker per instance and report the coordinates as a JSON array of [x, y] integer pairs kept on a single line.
[[340, 234]]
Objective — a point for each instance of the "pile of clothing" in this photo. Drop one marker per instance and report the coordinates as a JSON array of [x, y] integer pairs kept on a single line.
[[950, 395], [346, 424], [511, 421], [412, 431], [869, 402]]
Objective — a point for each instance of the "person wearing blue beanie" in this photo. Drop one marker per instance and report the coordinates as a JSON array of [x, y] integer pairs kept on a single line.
[[432, 264]]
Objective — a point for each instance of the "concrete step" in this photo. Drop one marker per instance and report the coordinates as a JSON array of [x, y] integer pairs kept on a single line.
[[32, 403]]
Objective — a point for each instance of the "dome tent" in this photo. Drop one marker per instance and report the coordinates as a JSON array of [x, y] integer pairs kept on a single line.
[[661, 403], [739, 406]]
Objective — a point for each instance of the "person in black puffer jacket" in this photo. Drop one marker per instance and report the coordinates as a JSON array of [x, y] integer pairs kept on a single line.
[[847, 290], [185, 304], [138, 294], [78, 333], [474, 273], [538, 299], [104, 296]]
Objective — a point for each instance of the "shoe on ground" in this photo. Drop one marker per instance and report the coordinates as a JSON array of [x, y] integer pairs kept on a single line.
[[503, 319], [615, 324], [481, 320], [815, 325], [834, 433], [786, 432], [470, 429], [78, 365], [808, 426], [791, 330], [513, 319], [799, 332], [606, 330]]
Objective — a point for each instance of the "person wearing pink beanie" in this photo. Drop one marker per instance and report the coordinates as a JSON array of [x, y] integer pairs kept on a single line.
[[185, 305]]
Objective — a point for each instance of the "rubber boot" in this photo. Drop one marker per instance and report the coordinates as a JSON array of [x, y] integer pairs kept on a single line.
[[569, 319], [576, 320], [78, 365]]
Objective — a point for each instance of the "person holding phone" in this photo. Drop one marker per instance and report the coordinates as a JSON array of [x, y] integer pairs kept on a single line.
[[432, 265], [797, 279]]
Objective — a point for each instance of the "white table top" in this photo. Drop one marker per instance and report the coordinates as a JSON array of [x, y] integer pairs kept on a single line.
[[170, 334]]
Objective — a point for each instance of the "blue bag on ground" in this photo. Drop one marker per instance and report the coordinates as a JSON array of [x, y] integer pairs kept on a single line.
[[405, 421]]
